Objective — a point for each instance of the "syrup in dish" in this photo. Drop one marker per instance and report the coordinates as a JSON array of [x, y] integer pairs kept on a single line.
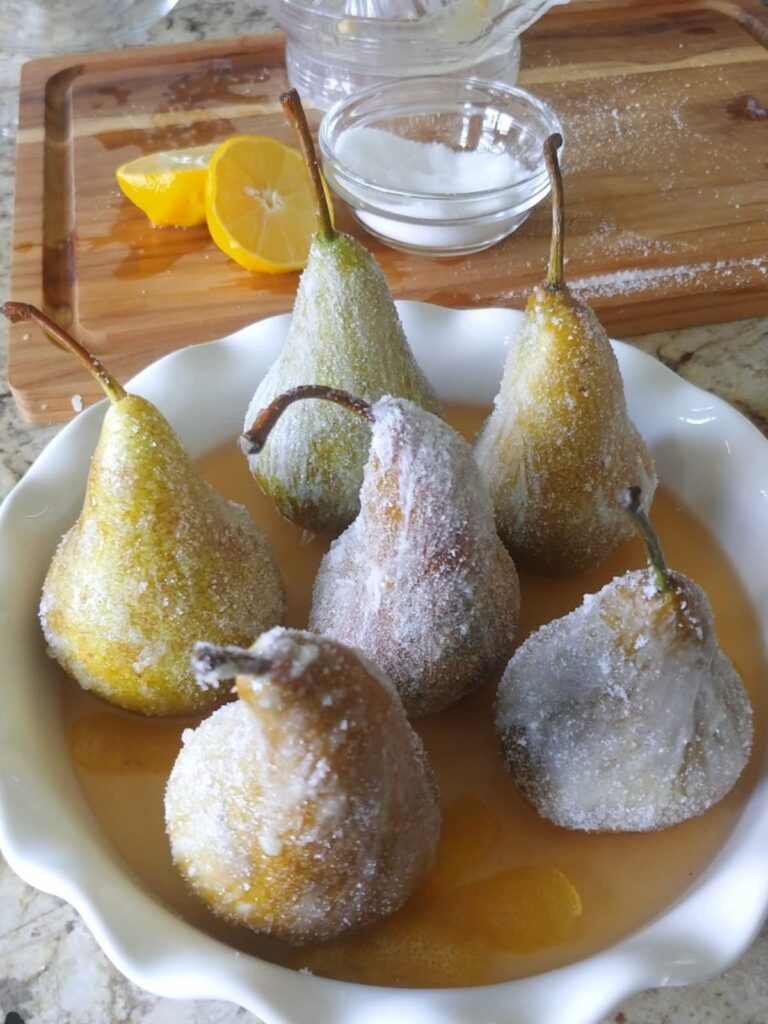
[[511, 894]]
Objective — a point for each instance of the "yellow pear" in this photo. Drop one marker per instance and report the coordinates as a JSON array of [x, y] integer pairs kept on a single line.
[[292, 810], [559, 445], [156, 558]]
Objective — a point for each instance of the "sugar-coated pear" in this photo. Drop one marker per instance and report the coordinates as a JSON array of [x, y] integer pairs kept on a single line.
[[420, 581], [625, 715], [307, 806], [559, 444], [156, 559], [345, 333]]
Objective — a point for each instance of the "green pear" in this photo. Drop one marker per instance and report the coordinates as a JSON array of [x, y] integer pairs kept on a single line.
[[345, 333], [420, 582], [625, 715], [559, 445], [291, 810], [156, 559]]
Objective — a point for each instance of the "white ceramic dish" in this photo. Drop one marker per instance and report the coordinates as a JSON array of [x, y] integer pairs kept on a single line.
[[709, 454]]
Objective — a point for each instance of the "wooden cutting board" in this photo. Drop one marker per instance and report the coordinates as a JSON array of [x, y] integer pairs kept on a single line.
[[664, 108]]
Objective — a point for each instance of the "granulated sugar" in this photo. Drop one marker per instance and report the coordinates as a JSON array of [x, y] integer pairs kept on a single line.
[[424, 167], [635, 281]]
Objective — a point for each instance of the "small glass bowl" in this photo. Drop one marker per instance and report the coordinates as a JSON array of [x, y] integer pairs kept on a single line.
[[438, 216]]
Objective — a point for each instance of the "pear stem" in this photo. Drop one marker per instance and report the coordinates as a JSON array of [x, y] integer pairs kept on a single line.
[[295, 113], [212, 665], [631, 501], [18, 311], [555, 268], [252, 442]]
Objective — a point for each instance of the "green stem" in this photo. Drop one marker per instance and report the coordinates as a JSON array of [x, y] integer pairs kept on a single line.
[[18, 311], [295, 114], [252, 442], [555, 268], [631, 501]]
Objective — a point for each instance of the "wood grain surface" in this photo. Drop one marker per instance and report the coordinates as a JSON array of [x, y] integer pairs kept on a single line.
[[663, 104]]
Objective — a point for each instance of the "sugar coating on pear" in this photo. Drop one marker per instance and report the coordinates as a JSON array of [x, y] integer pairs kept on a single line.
[[420, 581], [559, 444], [156, 559], [309, 807], [625, 715], [345, 333]]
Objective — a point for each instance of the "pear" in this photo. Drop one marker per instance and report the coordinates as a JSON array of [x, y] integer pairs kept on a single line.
[[292, 810], [345, 332], [156, 558], [625, 715], [420, 581], [559, 444]]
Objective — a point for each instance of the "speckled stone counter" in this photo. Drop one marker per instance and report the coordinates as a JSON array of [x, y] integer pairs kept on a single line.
[[51, 970]]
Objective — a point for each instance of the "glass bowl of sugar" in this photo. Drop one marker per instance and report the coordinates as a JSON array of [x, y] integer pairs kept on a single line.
[[438, 165]]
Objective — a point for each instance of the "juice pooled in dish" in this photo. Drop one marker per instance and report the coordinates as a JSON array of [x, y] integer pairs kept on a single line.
[[565, 894]]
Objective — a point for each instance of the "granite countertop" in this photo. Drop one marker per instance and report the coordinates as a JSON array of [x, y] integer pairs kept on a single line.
[[51, 970]]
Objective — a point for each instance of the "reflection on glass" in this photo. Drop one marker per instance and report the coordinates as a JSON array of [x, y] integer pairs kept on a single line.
[[65, 26]]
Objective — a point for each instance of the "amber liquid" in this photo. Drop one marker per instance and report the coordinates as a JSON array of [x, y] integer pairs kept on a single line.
[[511, 895]]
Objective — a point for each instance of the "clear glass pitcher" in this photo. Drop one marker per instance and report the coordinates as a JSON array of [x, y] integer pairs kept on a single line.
[[337, 47]]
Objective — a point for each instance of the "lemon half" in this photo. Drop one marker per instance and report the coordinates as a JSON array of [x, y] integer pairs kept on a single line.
[[169, 186], [259, 204]]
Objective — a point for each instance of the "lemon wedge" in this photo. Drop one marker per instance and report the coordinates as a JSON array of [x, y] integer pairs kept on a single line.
[[169, 186], [259, 204]]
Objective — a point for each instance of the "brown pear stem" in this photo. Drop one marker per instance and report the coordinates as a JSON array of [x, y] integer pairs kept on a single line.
[[212, 665], [295, 113], [555, 268], [252, 442], [18, 311], [749, 22], [631, 501]]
